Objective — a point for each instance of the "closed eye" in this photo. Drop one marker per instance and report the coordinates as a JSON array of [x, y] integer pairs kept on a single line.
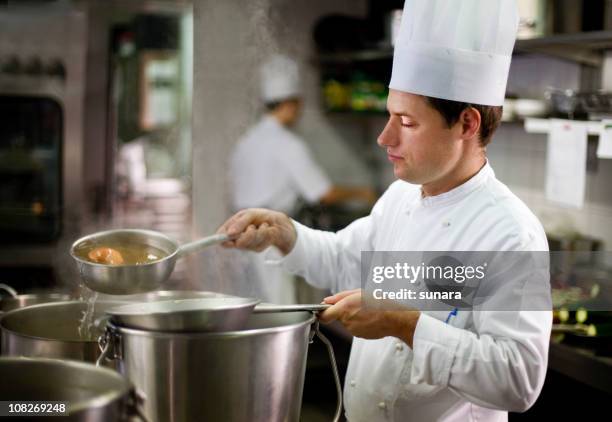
[[406, 122]]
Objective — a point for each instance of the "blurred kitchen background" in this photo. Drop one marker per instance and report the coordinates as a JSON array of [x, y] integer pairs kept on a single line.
[[123, 113]]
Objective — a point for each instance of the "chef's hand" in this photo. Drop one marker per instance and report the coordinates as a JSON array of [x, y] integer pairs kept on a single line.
[[349, 310], [256, 229]]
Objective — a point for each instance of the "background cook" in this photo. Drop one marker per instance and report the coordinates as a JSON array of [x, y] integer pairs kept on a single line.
[[272, 167]]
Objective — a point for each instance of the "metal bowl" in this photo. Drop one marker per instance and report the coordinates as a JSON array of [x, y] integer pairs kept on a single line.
[[127, 279], [213, 314], [161, 295]]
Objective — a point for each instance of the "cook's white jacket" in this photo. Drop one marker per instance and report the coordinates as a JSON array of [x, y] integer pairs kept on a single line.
[[475, 368], [271, 167]]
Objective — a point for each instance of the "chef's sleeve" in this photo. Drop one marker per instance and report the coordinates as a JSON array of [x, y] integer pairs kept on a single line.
[[502, 363], [305, 174], [330, 260]]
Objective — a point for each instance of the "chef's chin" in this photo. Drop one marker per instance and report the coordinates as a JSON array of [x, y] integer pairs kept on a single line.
[[402, 173]]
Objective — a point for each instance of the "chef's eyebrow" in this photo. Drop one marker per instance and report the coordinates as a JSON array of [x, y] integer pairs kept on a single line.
[[400, 114]]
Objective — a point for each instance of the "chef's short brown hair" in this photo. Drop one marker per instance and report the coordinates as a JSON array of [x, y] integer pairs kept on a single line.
[[490, 116]]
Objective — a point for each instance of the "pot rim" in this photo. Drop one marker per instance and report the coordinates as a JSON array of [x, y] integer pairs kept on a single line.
[[12, 299], [94, 402], [34, 295], [220, 334]]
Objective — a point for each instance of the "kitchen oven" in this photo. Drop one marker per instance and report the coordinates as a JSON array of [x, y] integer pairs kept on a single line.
[[31, 158], [53, 128]]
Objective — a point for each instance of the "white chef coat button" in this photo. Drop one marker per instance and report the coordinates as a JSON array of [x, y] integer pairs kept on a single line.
[[382, 405], [446, 224], [353, 383], [399, 347]]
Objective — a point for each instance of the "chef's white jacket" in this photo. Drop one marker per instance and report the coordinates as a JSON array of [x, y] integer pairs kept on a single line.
[[272, 168], [475, 368]]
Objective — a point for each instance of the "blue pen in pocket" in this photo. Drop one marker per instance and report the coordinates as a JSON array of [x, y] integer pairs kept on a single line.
[[450, 315]]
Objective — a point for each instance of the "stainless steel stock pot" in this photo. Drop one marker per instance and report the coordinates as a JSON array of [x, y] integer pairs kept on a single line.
[[249, 375]]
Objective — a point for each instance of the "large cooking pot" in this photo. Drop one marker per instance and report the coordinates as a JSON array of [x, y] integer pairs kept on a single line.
[[12, 301], [52, 330], [91, 394], [251, 375]]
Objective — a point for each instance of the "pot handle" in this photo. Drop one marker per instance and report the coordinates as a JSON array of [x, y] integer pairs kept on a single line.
[[137, 399], [332, 359], [106, 343], [9, 289]]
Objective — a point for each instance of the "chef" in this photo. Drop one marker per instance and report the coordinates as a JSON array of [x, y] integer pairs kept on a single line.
[[272, 167], [450, 69]]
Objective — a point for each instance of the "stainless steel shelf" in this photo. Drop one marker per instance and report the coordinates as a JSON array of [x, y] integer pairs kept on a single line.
[[582, 47]]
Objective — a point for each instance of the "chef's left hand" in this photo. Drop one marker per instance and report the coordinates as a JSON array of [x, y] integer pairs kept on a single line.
[[349, 310]]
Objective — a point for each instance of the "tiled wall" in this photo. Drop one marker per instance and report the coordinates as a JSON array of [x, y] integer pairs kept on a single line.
[[519, 160]]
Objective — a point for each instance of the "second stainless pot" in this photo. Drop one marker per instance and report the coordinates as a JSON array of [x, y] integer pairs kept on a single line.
[[90, 394], [17, 301], [52, 330]]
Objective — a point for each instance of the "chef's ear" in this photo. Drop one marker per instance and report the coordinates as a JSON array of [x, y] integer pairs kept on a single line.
[[470, 121]]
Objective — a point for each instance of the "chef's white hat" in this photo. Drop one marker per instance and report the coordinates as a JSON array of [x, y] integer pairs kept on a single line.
[[280, 79], [456, 50]]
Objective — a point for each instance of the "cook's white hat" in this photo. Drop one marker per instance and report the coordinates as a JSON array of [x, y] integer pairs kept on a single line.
[[280, 79], [456, 50]]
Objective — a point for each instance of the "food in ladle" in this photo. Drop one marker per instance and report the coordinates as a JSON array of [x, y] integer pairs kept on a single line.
[[108, 256], [118, 252]]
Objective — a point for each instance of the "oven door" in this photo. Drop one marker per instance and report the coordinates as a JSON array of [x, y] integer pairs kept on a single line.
[[31, 139]]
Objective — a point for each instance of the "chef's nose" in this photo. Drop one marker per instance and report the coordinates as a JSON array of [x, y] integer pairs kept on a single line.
[[388, 136]]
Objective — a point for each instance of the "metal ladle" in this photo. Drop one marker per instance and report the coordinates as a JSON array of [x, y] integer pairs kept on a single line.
[[124, 279]]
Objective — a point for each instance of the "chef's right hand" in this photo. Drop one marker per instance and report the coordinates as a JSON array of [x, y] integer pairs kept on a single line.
[[256, 229]]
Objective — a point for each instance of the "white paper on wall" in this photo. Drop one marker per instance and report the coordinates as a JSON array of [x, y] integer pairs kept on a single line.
[[604, 148], [566, 162]]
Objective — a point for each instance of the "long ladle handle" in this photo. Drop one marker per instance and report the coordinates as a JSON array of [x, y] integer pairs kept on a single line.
[[188, 248]]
